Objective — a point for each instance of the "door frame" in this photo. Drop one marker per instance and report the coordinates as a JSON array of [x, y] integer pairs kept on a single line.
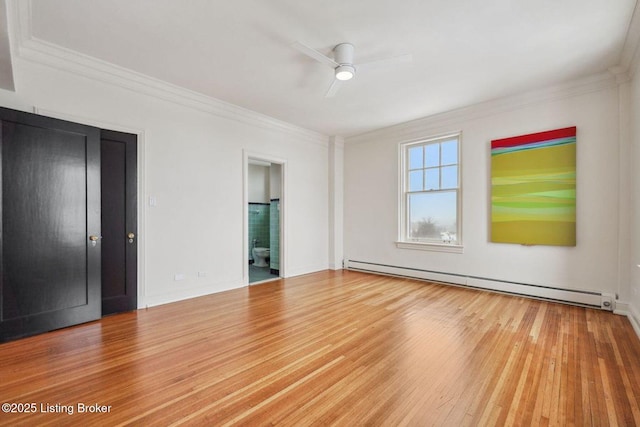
[[140, 185], [250, 155]]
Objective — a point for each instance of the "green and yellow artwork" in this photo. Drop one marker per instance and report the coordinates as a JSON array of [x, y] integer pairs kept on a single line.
[[533, 188]]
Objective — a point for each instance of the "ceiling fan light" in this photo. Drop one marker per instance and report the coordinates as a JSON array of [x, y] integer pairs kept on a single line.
[[345, 72]]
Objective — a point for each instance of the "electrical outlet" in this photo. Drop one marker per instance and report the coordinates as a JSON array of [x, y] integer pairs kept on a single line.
[[178, 276], [202, 274]]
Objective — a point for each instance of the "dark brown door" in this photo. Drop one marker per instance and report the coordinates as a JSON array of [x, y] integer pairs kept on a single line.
[[119, 221], [50, 208]]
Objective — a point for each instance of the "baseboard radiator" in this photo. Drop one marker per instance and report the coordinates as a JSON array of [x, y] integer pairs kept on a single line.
[[592, 299]]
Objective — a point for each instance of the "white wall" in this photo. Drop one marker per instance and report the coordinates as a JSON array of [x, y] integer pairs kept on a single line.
[[336, 202], [635, 199], [258, 188], [192, 162], [275, 177], [371, 190]]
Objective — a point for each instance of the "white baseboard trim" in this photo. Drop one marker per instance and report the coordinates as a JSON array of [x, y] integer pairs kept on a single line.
[[634, 318], [622, 308], [185, 294], [592, 299], [299, 271]]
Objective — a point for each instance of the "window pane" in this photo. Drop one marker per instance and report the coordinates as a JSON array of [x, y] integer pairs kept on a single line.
[[415, 157], [450, 152], [450, 177], [415, 180], [432, 179], [432, 155], [433, 217]]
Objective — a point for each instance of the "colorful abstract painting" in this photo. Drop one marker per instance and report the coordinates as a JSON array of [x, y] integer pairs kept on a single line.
[[533, 188]]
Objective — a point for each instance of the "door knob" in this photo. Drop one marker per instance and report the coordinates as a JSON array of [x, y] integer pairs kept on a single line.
[[94, 240], [131, 236]]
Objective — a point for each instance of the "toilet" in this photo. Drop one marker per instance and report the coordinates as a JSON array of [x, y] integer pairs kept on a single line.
[[260, 256]]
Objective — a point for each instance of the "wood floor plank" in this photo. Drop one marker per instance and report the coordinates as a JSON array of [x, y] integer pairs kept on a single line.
[[333, 348]]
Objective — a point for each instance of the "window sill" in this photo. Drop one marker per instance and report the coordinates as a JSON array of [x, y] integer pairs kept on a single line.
[[434, 247]]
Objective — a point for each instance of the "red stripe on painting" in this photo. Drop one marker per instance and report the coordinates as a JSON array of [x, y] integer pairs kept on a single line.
[[533, 137]]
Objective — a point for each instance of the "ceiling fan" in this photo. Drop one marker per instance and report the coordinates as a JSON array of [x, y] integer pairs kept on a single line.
[[342, 63]]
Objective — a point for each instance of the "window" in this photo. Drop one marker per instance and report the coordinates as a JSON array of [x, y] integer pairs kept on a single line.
[[430, 201]]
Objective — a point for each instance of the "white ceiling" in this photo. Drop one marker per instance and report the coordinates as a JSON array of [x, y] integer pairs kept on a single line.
[[464, 51]]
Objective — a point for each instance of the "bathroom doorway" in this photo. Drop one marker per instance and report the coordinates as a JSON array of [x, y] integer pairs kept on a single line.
[[264, 178]]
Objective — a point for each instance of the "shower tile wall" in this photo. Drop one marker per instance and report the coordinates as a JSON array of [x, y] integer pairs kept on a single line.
[[258, 226], [274, 233]]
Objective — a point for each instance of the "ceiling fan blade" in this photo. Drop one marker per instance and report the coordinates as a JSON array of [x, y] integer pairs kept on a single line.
[[394, 60], [312, 53], [333, 88]]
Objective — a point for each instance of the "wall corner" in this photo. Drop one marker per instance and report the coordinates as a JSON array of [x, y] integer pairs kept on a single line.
[[336, 201]]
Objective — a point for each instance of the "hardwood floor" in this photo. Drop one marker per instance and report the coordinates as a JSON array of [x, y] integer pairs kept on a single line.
[[333, 348]]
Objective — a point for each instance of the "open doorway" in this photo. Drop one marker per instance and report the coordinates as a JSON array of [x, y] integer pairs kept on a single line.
[[264, 218]]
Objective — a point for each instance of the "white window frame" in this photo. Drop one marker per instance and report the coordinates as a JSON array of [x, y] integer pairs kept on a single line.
[[403, 199]]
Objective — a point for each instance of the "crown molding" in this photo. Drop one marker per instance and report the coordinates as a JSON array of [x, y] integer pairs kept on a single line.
[[434, 123], [336, 142], [30, 48], [621, 74], [630, 55]]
